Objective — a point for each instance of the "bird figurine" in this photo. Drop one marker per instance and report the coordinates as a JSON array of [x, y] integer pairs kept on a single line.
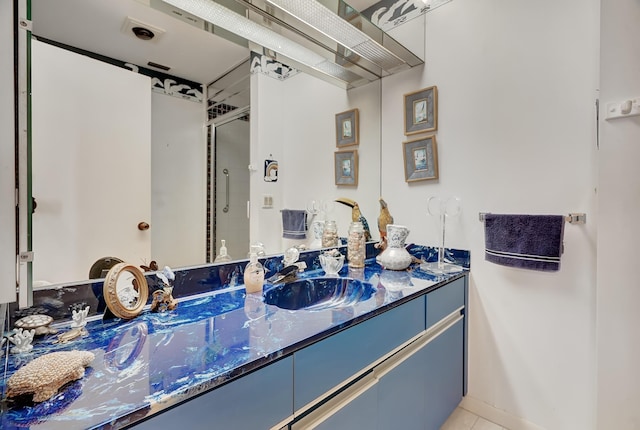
[[385, 218], [356, 215]]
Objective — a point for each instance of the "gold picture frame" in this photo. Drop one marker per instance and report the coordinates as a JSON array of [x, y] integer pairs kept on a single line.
[[420, 159], [346, 167], [125, 290], [347, 130], [421, 111]]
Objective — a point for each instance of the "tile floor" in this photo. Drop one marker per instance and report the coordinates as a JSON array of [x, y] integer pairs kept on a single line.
[[462, 419]]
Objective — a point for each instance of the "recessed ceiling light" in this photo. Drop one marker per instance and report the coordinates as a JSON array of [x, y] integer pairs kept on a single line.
[[141, 30], [143, 33]]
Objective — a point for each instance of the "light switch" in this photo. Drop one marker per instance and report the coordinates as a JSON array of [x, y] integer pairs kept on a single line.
[[267, 201]]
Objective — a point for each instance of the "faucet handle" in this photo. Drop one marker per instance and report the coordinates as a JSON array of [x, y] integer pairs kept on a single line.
[[291, 255]]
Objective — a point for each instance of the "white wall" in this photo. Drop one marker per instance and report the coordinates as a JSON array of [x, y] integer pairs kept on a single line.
[[618, 229], [311, 146], [305, 126], [178, 181], [266, 142], [517, 86]]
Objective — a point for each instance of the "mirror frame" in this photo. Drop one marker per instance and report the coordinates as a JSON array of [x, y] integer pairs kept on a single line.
[[111, 295]]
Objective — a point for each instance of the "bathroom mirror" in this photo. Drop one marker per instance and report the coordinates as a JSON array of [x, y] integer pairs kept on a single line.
[[295, 129], [125, 291]]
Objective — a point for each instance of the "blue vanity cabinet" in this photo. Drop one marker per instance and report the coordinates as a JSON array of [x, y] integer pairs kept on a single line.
[[423, 384], [443, 301], [444, 375], [446, 351], [327, 364], [414, 387], [258, 400], [403, 368], [358, 412], [402, 396]]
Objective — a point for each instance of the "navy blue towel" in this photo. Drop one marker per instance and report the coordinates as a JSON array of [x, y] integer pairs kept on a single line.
[[524, 241], [294, 224]]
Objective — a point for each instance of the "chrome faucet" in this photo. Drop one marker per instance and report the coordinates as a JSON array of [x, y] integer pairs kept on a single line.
[[291, 267]]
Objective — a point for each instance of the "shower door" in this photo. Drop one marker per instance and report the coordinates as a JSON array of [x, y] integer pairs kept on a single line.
[[230, 167]]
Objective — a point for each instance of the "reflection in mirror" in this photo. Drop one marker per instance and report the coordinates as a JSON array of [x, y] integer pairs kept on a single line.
[[125, 347], [232, 190], [125, 291], [176, 182]]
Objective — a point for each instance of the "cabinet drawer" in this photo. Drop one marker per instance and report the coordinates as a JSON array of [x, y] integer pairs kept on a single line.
[[444, 300], [238, 405], [323, 365]]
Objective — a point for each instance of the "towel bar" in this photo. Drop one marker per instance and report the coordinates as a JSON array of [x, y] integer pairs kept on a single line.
[[572, 218]]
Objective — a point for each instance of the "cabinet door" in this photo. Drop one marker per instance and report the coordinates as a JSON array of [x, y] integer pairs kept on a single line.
[[445, 300], [324, 365], [402, 396], [256, 401], [444, 366], [360, 413], [355, 407]]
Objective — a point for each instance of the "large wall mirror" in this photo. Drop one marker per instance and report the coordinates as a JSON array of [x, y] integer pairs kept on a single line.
[[145, 153]]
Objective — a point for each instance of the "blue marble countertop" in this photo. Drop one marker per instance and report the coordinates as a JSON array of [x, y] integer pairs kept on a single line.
[[157, 360]]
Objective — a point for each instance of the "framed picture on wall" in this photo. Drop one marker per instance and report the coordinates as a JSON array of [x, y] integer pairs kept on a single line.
[[347, 128], [270, 171], [421, 111], [420, 159], [346, 167]]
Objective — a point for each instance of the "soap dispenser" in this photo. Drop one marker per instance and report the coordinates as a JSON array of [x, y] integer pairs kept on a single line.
[[223, 257], [253, 275]]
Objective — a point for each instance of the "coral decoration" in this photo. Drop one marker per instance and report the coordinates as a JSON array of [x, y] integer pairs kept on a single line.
[[45, 375]]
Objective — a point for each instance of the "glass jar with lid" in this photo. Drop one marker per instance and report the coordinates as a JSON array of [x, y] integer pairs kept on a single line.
[[356, 248], [330, 234]]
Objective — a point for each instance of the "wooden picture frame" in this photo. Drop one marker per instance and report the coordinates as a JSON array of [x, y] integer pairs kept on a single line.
[[420, 159], [347, 132], [346, 167], [421, 111]]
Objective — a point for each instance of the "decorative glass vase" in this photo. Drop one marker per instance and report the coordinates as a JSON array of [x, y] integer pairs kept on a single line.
[[318, 229], [331, 262]]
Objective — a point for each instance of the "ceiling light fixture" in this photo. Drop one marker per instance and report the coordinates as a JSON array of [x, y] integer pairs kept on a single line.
[[254, 32], [143, 33], [141, 30]]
